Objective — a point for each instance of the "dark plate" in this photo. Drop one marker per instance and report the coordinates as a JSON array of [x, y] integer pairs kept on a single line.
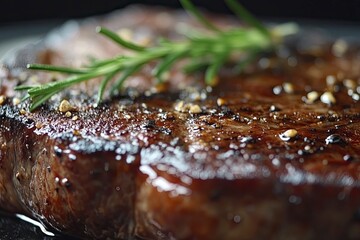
[[13, 228]]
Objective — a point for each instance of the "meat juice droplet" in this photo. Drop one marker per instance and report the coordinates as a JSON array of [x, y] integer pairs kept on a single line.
[[347, 158], [333, 139], [277, 90], [247, 139], [65, 182], [58, 151], [295, 200], [237, 219], [274, 108], [72, 157]]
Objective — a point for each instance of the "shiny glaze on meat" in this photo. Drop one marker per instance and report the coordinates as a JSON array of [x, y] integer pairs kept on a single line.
[[139, 166]]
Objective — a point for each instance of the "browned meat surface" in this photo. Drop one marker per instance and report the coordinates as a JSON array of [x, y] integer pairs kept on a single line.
[[262, 159]]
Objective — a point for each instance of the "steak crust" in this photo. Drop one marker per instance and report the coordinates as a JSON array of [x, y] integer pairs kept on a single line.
[[142, 165]]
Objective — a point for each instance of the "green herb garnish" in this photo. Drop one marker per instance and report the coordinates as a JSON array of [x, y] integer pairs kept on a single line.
[[208, 51]]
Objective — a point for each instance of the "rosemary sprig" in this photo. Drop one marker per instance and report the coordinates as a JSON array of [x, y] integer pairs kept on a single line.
[[210, 51]]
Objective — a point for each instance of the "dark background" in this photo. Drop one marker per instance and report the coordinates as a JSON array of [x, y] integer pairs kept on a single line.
[[24, 10]]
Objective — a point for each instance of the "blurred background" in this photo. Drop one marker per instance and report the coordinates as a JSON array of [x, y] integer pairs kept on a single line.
[[23, 10], [24, 21]]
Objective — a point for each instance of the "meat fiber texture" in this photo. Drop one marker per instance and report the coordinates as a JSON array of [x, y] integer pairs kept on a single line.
[[273, 153]]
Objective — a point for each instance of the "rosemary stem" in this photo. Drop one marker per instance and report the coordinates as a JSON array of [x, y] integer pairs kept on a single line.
[[59, 69], [208, 51]]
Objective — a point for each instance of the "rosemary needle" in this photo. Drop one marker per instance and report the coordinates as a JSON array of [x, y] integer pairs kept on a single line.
[[208, 51]]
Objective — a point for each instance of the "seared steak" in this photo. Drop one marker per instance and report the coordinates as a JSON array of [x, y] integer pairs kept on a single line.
[[272, 153]]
